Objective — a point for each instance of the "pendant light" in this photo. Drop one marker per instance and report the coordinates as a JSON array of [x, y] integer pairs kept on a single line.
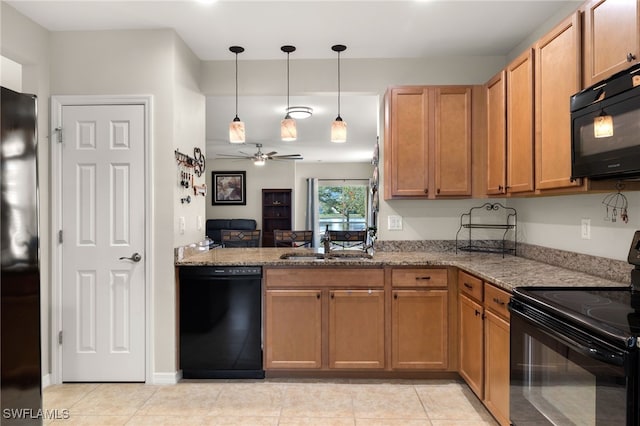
[[288, 131], [236, 127], [339, 127]]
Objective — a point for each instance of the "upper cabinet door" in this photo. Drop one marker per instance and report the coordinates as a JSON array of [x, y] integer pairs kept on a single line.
[[496, 134], [557, 77], [407, 142], [452, 142], [612, 38], [520, 123]]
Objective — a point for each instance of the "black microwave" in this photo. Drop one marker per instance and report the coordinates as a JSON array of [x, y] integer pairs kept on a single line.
[[605, 128]]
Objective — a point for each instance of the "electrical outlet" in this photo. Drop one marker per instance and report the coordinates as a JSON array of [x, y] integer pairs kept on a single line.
[[585, 229], [394, 223]]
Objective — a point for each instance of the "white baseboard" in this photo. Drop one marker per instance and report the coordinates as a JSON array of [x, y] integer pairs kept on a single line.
[[46, 381], [166, 378]]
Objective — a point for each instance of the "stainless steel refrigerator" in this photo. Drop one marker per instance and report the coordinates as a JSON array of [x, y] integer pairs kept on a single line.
[[21, 387]]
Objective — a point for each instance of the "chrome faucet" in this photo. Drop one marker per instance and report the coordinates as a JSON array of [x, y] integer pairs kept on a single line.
[[326, 241]]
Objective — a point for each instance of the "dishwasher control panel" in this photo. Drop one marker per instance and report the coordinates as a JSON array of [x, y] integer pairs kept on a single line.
[[233, 271]]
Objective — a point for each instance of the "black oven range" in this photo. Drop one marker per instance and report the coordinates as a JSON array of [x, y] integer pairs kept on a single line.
[[575, 353]]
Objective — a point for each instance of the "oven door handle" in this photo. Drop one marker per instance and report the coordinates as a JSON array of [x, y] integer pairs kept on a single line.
[[588, 349]]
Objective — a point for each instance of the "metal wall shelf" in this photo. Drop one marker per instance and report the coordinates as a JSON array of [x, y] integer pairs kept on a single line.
[[478, 218]]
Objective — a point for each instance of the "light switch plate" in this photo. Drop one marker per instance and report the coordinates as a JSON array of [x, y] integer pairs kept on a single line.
[[394, 223], [181, 225], [199, 223]]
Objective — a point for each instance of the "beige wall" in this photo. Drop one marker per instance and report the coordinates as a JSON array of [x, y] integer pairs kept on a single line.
[[273, 175], [154, 62]]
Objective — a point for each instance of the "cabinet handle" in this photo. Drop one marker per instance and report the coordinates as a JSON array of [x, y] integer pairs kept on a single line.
[[426, 190], [469, 286], [438, 191], [332, 295], [478, 312], [318, 296], [423, 278], [498, 301], [631, 57], [395, 296], [500, 188]]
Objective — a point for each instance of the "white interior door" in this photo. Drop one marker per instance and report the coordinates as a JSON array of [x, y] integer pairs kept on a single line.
[[103, 259]]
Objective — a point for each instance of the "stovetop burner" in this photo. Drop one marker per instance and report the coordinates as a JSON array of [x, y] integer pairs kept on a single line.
[[600, 308]]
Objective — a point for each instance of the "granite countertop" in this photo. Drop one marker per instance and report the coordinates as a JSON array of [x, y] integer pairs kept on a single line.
[[507, 272]]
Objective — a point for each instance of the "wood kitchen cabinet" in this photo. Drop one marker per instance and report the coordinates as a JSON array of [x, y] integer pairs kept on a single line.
[[293, 319], [428, 142], [519, 74], [510, 131], [484, 342], [419, 319], [496, 353], [611, 38], [557, 77], [356, 329], [324, 318], [496, 98], [471, 323]]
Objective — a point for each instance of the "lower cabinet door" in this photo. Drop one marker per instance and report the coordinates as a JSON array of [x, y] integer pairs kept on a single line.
[[496, 388], [293, 329], [419, 329], [356, 329], [471, 354]]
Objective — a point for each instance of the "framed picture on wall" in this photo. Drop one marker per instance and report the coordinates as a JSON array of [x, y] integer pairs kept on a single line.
[[229, 188]]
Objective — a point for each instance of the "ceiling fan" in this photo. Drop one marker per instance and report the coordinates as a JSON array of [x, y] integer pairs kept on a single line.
[[259, 158]]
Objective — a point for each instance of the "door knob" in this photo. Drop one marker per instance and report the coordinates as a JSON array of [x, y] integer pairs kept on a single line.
[[135, 257]]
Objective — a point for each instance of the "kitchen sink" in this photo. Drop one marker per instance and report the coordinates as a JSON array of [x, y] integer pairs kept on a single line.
[[334, 255]]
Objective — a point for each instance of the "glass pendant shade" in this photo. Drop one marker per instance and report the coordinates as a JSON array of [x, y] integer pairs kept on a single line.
[[259, 162], [288, 130], [338, 127], [603, 126], [236, 127], [236, 131], [339, 130]]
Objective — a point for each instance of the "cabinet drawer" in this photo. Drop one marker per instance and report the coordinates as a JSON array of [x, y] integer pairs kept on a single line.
[[317, 277], [419, 277], [496, 300], [470, 285]]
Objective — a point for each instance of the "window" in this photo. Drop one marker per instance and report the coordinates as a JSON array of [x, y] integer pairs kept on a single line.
[[342, 205]]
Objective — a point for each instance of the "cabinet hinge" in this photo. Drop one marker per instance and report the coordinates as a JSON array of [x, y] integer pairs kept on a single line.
[[60, 337], [59, 130], [60, 236]]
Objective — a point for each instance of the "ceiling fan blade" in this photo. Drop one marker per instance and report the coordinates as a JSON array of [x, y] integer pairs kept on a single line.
[[287, 156], [279, 157], [269, 154], [233, 156]]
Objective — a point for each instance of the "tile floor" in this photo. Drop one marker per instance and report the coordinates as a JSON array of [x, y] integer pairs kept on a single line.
[[269, 402]]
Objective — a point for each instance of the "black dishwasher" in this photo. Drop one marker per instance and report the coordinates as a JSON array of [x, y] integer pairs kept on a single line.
[[220, 322]]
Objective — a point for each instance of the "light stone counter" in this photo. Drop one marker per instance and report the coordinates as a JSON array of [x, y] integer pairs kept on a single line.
[[507, 272]]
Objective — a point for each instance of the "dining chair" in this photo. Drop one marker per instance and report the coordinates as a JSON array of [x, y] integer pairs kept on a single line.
[[240, 238], [289, 238], [348, 239]]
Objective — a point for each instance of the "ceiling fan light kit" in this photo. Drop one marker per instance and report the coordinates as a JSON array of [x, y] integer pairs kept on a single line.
[[339, 126], [288, 130], [236, 127]]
